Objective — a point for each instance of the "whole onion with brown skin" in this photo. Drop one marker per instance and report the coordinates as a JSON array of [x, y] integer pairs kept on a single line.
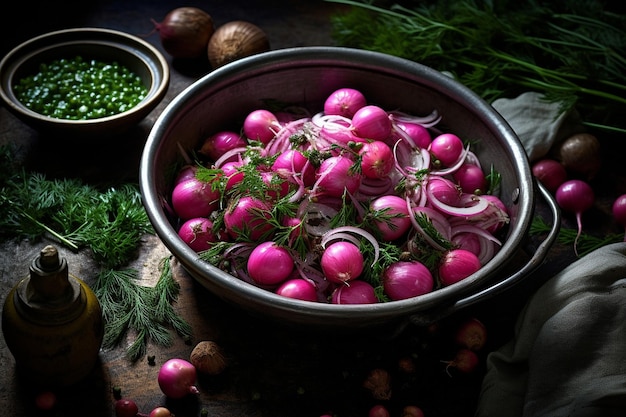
[[235, 40], [185, 32]]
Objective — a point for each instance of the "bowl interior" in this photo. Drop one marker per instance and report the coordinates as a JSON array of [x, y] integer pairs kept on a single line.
[[305, 77], [91, 44]]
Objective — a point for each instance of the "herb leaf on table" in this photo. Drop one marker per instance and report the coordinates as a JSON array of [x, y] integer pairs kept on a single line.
[[111, 222]]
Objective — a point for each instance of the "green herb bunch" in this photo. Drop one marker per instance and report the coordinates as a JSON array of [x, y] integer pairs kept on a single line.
[[109, 221], [572, 51]]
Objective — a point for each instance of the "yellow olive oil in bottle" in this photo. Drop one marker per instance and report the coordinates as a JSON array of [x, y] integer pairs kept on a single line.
[[52, 323]]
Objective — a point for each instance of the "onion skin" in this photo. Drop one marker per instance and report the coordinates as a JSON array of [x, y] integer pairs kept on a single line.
[[269, 264], [185, 32], [235, 40], [344, 102], [299, 289], [197, 233], [456, 265], [404, 279], [341, 262], [356, 292]]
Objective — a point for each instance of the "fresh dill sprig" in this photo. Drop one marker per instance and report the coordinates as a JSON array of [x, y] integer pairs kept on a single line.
[[111, 222], [586, 244], [145, 310]]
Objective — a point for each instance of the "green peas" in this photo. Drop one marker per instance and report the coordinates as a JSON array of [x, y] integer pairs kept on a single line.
[[78, 89]]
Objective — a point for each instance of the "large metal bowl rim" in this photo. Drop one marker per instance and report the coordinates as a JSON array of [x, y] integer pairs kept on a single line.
[[339, 57]]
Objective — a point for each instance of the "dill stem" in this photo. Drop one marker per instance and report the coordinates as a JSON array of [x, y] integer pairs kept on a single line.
[[57, 235]]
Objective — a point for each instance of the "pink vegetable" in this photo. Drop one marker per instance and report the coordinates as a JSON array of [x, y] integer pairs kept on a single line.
[[406, 279], [619, 211], [336, 175], [550, 173], [197, 233], [341, 262], [194, 198], [447, 148], [249, 217], [371, 122], [177, 378], [344, 102], [394, 213], [471, 179], [269, 264], [376, 159], [261, 125], [216, 145], [456, 265], [298, 288], [378, 410], [575, 196], [355, 292]]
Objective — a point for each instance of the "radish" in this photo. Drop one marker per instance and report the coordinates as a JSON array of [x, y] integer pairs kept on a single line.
[[471, 334], [575, 196], [550, 173], [619, 211], [465, 361]]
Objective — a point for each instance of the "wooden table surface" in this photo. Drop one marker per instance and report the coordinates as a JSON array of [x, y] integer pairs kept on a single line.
[[274, 369]]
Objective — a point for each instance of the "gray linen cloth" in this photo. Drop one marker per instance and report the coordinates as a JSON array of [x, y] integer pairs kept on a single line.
[[568, 354], [538, 123]]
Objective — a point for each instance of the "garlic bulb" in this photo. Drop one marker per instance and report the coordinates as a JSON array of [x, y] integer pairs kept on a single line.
[[234, 40]]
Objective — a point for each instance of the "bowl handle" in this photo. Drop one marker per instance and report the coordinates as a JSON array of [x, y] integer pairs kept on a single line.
[[536, 260]]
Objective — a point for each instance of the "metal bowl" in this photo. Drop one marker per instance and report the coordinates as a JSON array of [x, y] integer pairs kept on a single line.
[[90, 43], [307, 76]]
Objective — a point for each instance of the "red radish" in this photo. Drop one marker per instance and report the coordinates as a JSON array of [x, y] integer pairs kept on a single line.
[[269, 264], [371, 122], [248, 218], [177, 378], [376, 159], [465, 361], [550, 173], [261, 125], [378, 410], [194, 198], [233, 173], [298, 288], [185, 32], [355, 292], [47, 400], [471, 334], [619, 211], [406, 279], [456, 265], [342, 262], [391, 214], [126, 408], [197, 233], [344, 102], [575, 196], [471, 179], [216, 145], [446, 148]]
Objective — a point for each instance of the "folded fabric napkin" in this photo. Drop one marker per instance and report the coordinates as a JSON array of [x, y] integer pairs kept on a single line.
[[538, 123], [568, 354]]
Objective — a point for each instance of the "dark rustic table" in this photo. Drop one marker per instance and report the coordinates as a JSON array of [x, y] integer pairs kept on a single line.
[[274, 369]]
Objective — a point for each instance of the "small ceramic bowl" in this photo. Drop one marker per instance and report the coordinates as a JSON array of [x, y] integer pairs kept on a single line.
[[104, 45]]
